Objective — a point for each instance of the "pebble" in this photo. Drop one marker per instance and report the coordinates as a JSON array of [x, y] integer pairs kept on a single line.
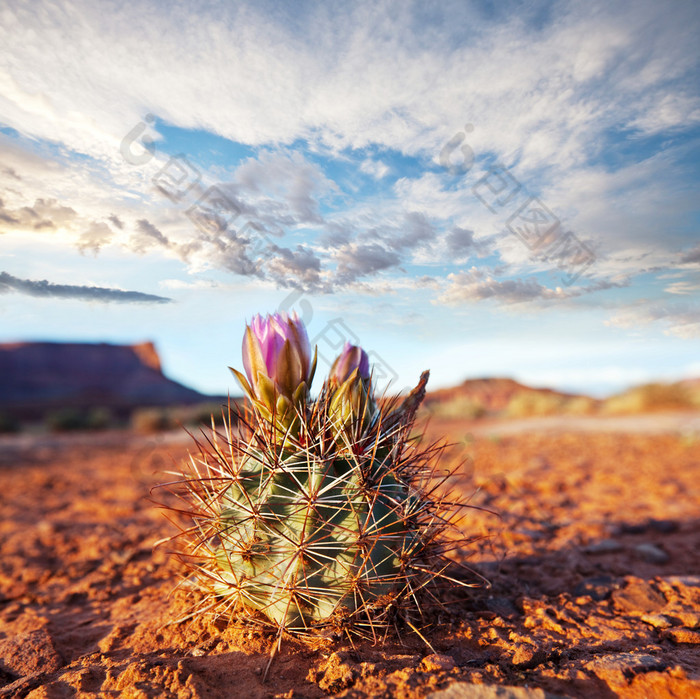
[[436, 662], [638, 596], [464, 690], [603, 546], [652, 553], [527, 657], [663, 526]]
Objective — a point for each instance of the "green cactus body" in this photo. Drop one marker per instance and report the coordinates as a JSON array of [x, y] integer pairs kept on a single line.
[[330, 518], [302, 538]]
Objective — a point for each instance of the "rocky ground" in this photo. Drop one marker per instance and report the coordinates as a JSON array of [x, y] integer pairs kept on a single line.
[[592, 555]]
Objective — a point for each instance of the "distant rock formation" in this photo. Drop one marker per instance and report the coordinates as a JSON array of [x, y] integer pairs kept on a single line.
[[35, 376], [503, 397], [494, 394]]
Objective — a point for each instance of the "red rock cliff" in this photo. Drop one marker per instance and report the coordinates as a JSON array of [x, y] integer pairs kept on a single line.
[[43, 374]]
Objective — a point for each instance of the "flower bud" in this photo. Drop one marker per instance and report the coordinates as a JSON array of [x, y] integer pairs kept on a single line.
[[352, 357], [351, 404], [277, 362]]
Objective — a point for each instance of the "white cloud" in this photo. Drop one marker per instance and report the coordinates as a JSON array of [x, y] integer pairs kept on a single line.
[[543, 97], [478, 285], [682, 288], [678, 320], [375, 168], [364, 74]]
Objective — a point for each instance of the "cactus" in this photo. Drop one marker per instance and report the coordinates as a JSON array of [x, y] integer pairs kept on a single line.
[[321, 513]]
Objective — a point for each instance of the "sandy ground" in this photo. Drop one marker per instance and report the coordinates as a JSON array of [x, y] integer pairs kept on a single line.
[[593, 560]]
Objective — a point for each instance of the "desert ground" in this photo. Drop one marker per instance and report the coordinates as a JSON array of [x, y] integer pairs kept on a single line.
[[587, 532]]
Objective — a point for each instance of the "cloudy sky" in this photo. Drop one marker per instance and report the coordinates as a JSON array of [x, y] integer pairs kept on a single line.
[[479, 188]]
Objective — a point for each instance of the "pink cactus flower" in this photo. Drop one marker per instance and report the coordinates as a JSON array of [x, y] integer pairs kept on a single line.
[[277, 353]]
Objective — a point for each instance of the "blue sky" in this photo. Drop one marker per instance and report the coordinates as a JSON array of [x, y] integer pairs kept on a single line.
[[481, 189]]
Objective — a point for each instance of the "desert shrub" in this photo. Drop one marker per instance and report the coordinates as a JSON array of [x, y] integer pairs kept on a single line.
[[201, 414], [461, 407], [580, 405], [651, 397], [65, 420], [99, 419], [149, 420], [8, 424], [532, 404]]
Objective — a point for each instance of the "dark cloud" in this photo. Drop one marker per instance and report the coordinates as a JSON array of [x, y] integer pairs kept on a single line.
[[599, 285], [692, 255], [283, 184], [116, 221], [478, 285], [358, 260], [146, 237], [11, 172], [298, 268], [232, 254], [417, 230], [69, 291], [460, 241], [335, 235]]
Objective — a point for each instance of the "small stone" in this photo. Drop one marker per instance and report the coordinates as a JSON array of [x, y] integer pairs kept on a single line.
[[652, 553], [618, 668], [436, 662], [658, 621], [338, 674], [638, 596], [597, 588], [603, 546], [683, 636], [527, 657], [635, 528], [664, 526]]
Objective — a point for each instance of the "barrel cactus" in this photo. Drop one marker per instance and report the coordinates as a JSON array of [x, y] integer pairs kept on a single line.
[[314, 513]]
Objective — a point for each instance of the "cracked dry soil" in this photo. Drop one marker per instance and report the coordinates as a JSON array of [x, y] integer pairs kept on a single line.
[[594, 565]]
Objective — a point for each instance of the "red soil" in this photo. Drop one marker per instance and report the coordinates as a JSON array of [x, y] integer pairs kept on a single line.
[[593, 563]]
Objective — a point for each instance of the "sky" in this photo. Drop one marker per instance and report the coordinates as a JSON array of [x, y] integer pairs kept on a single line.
[[476, 188]]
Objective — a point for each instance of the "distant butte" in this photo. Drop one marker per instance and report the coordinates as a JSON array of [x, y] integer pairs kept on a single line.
[[35, 376]]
